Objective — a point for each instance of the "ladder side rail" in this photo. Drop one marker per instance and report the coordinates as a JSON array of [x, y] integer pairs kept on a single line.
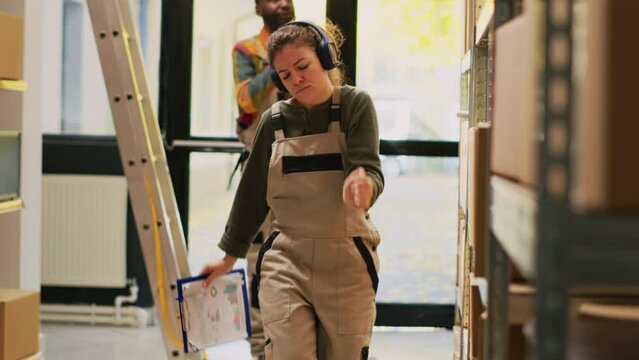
[[152, 128], [131, 80]]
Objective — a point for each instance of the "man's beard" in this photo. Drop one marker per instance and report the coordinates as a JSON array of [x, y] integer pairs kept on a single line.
[[274, 21]]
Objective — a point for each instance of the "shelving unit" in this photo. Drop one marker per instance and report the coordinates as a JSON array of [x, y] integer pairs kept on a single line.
[[474, 79], [562, 255]]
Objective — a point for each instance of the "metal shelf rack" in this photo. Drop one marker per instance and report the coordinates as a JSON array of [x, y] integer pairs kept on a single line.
[[556, 249]]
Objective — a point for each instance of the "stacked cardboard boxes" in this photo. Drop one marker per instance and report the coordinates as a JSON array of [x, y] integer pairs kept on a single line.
[[515, 118], [478, 178]]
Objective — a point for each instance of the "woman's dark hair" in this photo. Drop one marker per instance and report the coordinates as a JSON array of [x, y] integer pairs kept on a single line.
[[302, 34]]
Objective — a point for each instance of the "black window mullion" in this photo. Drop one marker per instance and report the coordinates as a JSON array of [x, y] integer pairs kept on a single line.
[[419, 148], [175, 95], [415, 315], [344, 14]]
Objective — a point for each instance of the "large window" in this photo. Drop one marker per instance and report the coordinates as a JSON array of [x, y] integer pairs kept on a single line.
[[84, 105], [408, 60]]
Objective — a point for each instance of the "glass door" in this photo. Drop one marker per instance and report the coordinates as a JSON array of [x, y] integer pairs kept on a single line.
[[411, 70]]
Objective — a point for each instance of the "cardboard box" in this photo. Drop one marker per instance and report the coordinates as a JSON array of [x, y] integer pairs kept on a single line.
[[606, 175], [461, 251], [517, 346], [464, 255], [11, 46], [601, 336], [515, 116], [478, 185], [19, 323], [521, 303]]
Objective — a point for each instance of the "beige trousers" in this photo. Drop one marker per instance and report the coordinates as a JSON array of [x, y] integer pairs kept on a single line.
[[318, 297]]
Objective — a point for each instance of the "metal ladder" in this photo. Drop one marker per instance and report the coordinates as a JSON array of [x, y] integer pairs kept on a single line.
[[144, 163]]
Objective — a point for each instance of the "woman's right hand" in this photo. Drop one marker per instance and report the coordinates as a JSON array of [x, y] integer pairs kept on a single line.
[[217, 269], [358, 189]]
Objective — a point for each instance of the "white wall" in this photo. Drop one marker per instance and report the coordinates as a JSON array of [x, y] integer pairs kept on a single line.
[[47, 62], [21, 232], [43, 33]]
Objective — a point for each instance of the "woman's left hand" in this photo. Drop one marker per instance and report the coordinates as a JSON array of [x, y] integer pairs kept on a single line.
[[358, 189]]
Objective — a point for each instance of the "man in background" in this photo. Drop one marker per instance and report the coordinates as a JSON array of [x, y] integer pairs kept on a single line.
[[254, 89], [255, 93]]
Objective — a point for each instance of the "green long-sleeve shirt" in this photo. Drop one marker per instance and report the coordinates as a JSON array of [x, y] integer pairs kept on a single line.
[[358, 122]]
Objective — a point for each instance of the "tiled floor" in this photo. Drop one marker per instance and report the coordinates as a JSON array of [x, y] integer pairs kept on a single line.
[[83, 342]]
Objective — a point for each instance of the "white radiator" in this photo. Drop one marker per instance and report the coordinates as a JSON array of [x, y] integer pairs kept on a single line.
[[84, 230]]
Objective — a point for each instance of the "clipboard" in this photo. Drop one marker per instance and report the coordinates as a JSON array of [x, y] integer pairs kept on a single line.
[[216, 314]]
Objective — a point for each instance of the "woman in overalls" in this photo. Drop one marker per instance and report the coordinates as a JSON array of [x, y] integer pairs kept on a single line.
[[315, 164]]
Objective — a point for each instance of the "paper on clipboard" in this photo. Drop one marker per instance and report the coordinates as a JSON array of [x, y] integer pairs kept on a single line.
[[214, 314]]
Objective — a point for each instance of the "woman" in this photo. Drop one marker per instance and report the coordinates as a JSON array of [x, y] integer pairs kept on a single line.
[[315, 165]]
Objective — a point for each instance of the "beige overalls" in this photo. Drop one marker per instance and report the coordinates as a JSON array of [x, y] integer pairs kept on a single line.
[[318, 273]]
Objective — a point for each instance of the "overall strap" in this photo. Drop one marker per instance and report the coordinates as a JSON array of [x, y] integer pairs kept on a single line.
[[278, 121], [335, 112]]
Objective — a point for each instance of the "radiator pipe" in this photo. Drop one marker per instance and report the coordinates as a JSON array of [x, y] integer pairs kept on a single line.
[[93, 314], [100, 314], [131, 298], [89, 318]]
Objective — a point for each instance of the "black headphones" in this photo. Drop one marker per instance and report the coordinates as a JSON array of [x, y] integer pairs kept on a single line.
[[326, 52]]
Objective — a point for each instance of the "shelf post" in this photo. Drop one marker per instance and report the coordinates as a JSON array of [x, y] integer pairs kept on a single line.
[[552, 258]]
